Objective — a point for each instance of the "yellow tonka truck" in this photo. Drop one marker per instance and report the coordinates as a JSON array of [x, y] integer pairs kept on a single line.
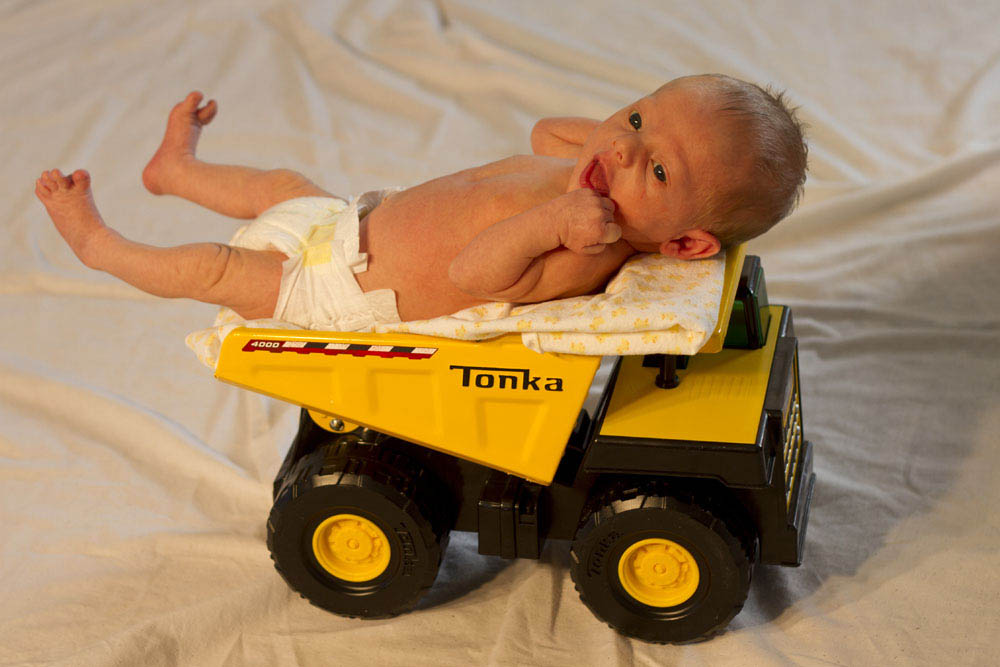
[[689, 472]]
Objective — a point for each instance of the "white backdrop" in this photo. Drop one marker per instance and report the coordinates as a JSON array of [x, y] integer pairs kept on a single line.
[[134, 487]]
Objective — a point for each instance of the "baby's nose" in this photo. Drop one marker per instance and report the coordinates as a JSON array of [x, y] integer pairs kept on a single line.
[[623, 149]]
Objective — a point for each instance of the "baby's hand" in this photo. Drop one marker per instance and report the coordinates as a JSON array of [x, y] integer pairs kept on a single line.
[[585, 221]]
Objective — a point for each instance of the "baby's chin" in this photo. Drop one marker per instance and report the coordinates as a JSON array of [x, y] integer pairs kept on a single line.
[[639, 245], [637, 241]]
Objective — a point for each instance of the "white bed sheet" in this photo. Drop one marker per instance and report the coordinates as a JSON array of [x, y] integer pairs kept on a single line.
[[134, 487]]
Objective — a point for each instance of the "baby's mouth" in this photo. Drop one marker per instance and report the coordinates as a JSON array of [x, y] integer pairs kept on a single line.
[[595, 177]]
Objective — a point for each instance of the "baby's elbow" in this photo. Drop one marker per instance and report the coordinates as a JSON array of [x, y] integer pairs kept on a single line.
[[540, 137], [471, 281], [463, 278], [455, 274]]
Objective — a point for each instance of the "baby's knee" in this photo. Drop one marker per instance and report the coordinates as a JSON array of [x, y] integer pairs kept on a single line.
[[278, 185], [286, 179], [248, 281]]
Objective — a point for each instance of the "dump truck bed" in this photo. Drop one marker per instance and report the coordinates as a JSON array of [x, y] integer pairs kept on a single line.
[[493, 402]]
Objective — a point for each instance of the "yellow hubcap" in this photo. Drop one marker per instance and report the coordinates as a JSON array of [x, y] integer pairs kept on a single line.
[[658, 572], [351, 547]]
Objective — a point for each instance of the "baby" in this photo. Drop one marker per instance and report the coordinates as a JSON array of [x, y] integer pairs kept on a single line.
[[701, 163]]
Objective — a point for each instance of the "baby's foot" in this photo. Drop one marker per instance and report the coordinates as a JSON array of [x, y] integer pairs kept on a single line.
[[179, 143], [71, 207]]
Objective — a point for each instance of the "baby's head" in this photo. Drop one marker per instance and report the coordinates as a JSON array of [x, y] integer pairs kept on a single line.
[[702, 163]]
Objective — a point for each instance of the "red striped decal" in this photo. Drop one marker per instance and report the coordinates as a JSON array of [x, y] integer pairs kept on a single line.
[[302, 347]]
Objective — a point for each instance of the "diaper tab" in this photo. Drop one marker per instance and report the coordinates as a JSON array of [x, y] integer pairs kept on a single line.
[[318, 289]]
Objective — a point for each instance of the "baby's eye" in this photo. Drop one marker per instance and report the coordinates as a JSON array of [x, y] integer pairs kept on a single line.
[[635, 120], [660, 172]]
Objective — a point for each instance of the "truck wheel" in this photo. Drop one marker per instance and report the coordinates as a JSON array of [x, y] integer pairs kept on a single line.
[[359, 531], [659, 568]]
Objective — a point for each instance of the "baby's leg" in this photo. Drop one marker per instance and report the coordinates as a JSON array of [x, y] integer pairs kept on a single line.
[[245, 280], [239, 192]]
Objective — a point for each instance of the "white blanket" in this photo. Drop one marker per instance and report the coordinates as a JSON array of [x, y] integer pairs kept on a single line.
[[134, 488]]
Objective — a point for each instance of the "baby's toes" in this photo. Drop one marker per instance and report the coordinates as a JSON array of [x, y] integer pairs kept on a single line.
[[81, 179], [41, 189], [191, 102], [49, 181], [62, 182], [207, 112]]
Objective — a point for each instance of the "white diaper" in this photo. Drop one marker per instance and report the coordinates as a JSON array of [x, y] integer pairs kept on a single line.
[[320, 237], [318, 290]]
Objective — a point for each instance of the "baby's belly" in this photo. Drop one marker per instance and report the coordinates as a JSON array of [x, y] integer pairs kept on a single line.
[[409, 252]]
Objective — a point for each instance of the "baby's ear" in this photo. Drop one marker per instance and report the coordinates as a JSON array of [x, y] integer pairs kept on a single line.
[[692, 244]]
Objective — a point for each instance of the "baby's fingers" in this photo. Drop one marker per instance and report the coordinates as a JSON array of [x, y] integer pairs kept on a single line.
[[612, 233]]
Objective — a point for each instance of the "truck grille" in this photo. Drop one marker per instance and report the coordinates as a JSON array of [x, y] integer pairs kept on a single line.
[[792, 433]]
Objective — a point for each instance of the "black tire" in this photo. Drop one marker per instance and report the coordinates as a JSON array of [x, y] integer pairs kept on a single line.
[[370, 484], [621, 525]]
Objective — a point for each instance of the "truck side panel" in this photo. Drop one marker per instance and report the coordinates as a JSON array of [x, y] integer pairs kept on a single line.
[[493, 402]]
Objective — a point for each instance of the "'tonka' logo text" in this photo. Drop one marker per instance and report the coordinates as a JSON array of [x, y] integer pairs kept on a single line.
[[487, 377]]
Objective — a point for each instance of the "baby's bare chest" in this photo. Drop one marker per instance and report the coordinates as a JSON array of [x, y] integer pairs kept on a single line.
[[443, 215]]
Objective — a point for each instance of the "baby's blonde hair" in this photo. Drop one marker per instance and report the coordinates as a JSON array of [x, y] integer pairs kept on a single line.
[[762, 118]]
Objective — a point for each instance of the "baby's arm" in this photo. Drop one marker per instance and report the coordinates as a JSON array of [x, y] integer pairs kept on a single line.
[[561, 137], [546, 252]]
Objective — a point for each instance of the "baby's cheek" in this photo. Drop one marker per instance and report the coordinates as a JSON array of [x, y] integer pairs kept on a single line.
[[625, 211]]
